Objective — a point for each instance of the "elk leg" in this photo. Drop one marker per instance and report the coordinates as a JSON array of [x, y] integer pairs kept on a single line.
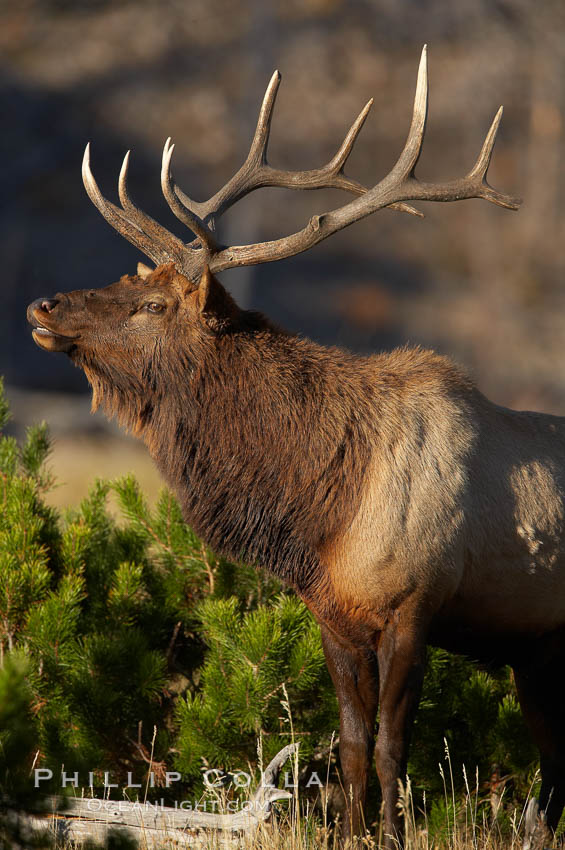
[[401, 656], [542, 700], [355, 676]]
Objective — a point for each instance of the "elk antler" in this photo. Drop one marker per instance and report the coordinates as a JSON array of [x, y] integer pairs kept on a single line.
[[256, 172], [399, 185], [136, 226]]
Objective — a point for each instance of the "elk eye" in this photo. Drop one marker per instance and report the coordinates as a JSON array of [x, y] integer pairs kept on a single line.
[[155, 307]]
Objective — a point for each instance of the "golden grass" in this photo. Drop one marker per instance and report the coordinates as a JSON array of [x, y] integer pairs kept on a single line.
[[77, 461], [470, 822], [287, 831]]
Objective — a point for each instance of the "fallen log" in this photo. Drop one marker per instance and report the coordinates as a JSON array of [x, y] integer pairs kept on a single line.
[[82, 819]]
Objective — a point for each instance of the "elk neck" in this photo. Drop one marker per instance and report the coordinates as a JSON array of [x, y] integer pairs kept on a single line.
[[265, 443]]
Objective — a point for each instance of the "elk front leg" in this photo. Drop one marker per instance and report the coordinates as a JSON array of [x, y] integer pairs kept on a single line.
[[355, 676], [401, 657]]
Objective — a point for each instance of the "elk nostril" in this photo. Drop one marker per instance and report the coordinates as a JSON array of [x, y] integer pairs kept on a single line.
[[48, 304]]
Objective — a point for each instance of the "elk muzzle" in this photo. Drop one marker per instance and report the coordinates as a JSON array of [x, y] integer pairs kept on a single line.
[[42, 316]]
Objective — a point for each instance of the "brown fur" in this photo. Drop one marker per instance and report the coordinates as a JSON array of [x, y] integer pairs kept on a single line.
[[402, 505]]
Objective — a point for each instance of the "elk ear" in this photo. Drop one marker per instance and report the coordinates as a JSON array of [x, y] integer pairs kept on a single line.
[[143, 270], [217, 309]]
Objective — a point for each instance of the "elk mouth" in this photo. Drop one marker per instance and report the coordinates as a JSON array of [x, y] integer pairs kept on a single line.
[[51, 340]]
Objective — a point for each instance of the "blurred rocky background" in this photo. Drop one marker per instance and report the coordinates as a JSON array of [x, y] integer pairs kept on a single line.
[[477, 282]]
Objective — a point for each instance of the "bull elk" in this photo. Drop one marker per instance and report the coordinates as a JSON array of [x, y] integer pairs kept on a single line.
[[402, 506]]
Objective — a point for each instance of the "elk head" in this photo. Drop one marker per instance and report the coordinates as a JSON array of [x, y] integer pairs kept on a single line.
[[132, 313], [181, 300], [128, 336]]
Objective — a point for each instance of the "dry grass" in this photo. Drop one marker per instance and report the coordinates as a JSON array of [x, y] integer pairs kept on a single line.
[[76, 461], [465, 823], [287, 831]]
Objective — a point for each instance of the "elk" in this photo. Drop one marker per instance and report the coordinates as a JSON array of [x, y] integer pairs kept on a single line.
[[402, 506]]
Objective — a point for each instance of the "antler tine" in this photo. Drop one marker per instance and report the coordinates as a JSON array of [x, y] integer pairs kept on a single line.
[[182, 211], [329, 176], [193, 213], [398, 186], [336, 164], [409, 157], [186, 209], [173, 246], [258, 150], [118, 220], [480, 168]]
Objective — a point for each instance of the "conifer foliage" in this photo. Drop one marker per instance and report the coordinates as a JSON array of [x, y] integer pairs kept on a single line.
[[126, 645], [111, 629], [252, 655]]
